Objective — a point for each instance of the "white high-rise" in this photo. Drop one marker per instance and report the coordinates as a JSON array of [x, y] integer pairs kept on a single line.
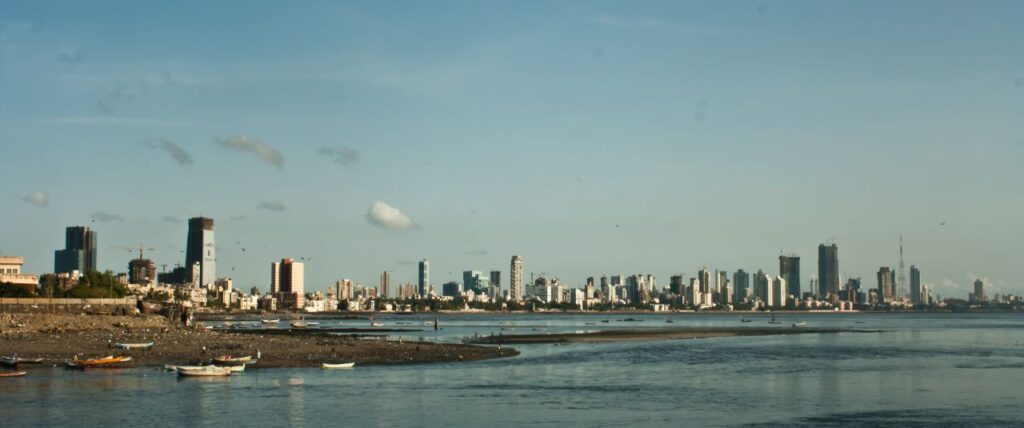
[[516, 279]]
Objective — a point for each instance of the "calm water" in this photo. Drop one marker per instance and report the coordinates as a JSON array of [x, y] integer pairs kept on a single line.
[[954, 370]]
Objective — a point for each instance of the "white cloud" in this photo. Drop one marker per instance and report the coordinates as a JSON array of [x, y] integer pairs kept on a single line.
[[39, 199], [386, 216]]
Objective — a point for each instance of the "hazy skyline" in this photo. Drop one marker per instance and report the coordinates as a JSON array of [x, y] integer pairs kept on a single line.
[[588, 137]]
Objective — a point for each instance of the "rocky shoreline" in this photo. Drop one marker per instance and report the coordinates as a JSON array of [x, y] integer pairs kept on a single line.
[[56, 338]]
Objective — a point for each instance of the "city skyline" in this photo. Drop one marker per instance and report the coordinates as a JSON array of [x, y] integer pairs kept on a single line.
[[630, 138]]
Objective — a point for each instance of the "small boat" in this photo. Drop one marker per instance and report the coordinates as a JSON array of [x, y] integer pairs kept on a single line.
[[234, 369], [799, 324], [376, 324], [174, 368], [134, 345], [273, 321], [669, 321], [107, 361], [604, 321], [428, 323], [299, 324], [508, 328], [15, 360], [540, 329], [227, 360], [204, 371], [310, 324], [327, 366], [746, 320], [12, 374]]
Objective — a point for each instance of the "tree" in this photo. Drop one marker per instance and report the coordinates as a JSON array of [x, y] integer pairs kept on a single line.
[[93, 285], [12, 290]]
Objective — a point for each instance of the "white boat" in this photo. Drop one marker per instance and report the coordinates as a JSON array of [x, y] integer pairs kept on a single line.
[[234, 369], [227, 360], [273, 321], [800, 324], [299, 324], [204, 371], [174, 368], [376, 324], [146, 345], [327, 366]]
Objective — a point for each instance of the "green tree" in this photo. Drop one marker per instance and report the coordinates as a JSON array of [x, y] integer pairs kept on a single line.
[[12, 290], [93, 285]]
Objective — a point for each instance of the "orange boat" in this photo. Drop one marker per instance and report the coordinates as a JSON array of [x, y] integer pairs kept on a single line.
[[12, 374], [97, 362]]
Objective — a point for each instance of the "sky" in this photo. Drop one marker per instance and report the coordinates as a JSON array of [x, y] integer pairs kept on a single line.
[[589, 137]]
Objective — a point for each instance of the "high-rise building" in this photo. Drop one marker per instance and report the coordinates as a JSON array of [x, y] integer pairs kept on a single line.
[[789, 270], [200, 248], [915, 286], [344, 291], [778, 294], [516, 290], [424, 274], [288, 278], [385, 284], [979, 291], [828, 270], [763, 288], [885, 284], [474, 280], [495, 283], [79, 251], [677, 285], [741, 286], [142, 272]]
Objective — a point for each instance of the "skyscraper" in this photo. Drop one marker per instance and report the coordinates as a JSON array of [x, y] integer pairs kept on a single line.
[[142, 272], [495, 283], [979, 291], [763, 288], [789, 270], [288, 277], [200, 248], [79, 251], [424, 272], [515, 284], [741, 286], [915, 285], [385, 284], [885, 284], [828, 270]]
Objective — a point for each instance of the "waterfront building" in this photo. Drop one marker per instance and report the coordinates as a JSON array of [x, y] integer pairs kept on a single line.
[[475, 280], [451, 289], [385, 284], [676, 285], [722, 288], [915, 286], [424, 278], [288, 279], [979, 292], [741, 286], [10, 273], [588, 291], [778, 293], [344, 289], [516, 291], [762, 284], [885, 285], [828, 271], [142, 272], [789, 270], [495, 283], [606, 291], [200, 249], [79, 253]]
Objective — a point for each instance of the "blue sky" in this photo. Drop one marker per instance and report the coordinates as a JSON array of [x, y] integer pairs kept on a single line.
[[588, 137]]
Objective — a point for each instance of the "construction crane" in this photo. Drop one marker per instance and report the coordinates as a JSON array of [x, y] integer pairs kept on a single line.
[[141, 249]]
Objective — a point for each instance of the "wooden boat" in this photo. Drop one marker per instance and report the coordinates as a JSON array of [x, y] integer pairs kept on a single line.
[[299, 324], [227, 360], [146, 345], [204, 371], [12, 374], [107, 361], [234, 369], [326, 366], [174, 368], [15, 360], [273, 321]]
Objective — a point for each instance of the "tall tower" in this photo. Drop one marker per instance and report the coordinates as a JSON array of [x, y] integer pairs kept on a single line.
[[424, 277], [915, 286], [290, 278], [828, 270], [516, 279], [200, 248], [901, 284], [789, 270], [385, 284], [495, 283], [79, 251]]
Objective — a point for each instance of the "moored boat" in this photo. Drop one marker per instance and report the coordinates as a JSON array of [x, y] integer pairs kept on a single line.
[[273, 321], [12, 374], [234, 369], [107, 361], [376, 324], [800, 324], [15, 360], [227, 360], [328, 366], [204, 371], [146, 345], [299, 324]]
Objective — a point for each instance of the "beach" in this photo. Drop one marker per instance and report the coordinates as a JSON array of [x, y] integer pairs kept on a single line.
[[56, 338]]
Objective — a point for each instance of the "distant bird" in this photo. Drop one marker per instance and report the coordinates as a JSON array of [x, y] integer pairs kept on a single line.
[[243, 249], [616, 226], [942, 223]]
